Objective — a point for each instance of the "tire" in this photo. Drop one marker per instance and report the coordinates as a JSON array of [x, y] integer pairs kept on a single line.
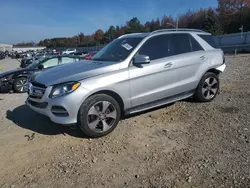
[[208, 88], [97, 110], [20, 85]]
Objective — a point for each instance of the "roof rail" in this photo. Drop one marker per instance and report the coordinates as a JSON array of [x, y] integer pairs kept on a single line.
[[177, 29], [130, 34]]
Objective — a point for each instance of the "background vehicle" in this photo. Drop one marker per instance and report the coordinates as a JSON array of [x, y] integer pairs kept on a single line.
[[69, 51], [90, 55], [17, 79], [133, 73], [34, 57], [26, 61], [2, 55]]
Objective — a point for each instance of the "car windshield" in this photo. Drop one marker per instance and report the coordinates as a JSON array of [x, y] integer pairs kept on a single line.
[[117, 50]]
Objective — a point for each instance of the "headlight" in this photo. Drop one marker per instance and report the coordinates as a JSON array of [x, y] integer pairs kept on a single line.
[[64, 89], [6, 78]]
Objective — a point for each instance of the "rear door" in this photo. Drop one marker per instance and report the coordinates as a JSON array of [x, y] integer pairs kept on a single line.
[[189, 57]]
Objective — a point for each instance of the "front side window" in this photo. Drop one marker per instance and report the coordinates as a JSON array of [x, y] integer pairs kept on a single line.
[[156, 47], [50, 63], [118, 50]]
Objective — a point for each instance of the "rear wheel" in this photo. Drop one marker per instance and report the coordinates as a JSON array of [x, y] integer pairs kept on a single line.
[[20, 85], [99, 115], [208, 87]]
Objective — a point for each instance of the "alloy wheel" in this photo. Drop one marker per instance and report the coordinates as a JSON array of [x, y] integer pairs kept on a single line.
[[21, 85], [101, 116], [210, 88]]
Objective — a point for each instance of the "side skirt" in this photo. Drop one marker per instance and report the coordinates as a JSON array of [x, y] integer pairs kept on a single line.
[[159, 103]]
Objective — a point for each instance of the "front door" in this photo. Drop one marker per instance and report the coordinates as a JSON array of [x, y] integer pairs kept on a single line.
[[152, 82]]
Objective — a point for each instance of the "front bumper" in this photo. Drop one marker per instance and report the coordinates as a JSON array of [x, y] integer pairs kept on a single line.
[[71, 103], [6, 86], [221, 68]]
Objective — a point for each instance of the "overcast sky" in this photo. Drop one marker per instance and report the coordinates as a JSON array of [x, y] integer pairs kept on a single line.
[[26, 20]]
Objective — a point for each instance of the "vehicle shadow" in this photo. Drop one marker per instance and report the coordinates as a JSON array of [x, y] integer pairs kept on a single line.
[[24, 117]]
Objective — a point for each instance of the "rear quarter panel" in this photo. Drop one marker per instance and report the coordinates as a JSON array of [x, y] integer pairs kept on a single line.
[[214, 59]]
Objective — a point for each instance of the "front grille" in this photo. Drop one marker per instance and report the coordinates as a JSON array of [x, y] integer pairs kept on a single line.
[[38, 105], [36, 84], [36, 90]]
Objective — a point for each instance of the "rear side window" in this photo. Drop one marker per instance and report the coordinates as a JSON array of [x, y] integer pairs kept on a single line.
[[184, 43], [210, 40], [195, 45], [156, 47]]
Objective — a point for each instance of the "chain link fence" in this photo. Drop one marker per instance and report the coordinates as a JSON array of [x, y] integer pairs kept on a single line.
[[234, 43]]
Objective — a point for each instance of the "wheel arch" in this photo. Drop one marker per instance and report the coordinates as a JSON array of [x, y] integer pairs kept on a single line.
[[214, 70]]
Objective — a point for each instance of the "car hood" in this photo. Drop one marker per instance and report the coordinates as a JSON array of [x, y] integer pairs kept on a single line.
[[4, 74], [74, 72]]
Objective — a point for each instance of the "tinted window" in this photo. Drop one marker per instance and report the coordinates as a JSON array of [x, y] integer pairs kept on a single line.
[[180, 44], [195, 45], [156, 47], [210, 40]]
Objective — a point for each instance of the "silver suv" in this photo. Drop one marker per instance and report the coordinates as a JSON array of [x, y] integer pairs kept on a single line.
[[133, 73]]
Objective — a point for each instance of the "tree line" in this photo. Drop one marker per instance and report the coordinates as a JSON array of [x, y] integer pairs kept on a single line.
[[228, 17]]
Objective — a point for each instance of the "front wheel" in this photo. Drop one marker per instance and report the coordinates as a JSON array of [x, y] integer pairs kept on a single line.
[[20, 84], [208, 88], [99, 115]]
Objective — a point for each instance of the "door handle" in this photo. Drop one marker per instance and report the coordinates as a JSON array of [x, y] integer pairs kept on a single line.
[[168, 65], [203, 58]]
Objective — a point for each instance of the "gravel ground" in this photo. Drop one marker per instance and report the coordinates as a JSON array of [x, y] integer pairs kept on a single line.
[[186, 144]]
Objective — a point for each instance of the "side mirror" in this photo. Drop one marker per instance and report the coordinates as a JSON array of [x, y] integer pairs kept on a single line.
[[41, 67], [141, 59]]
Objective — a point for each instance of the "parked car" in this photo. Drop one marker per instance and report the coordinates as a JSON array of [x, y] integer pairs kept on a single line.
[[69, 51], [26, 61], [133, 73], [30, 59], [2, 55], [90, 55], [17, 79]]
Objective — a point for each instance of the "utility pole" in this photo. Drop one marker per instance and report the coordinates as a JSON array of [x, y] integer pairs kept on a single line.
[[242, 30], [177, 23]]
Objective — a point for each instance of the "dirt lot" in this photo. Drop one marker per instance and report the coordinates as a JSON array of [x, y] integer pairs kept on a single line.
[[186, 144]]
